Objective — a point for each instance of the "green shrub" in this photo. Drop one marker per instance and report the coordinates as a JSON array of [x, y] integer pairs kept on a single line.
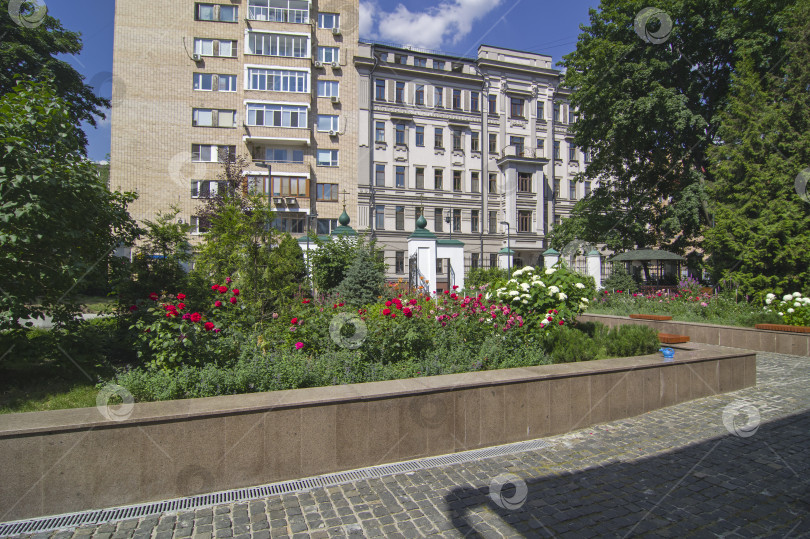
[[569, 345], [620, 280], [631, 340], [478, 277]]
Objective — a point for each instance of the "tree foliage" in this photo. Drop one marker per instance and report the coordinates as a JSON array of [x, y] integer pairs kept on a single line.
[[58, 220], [332, 259], [364, 281]]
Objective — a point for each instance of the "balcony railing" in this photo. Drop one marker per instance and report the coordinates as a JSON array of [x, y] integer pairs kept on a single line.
[[274, 14], [521, 151]]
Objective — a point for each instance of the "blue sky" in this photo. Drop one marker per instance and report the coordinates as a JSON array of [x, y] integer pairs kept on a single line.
[[455, 26]]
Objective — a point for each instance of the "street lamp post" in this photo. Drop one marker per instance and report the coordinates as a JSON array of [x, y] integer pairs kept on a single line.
[[312, 217], [269, 168], [508, 249]]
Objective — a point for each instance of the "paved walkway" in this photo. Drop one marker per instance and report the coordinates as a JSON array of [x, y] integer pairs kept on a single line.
[[669, 473]]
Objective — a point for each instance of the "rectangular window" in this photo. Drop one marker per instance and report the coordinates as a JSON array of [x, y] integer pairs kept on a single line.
[[457, 139], [456, 180], [326, 192], [227, 83], [474, 102], [438, 220], [399, 262], [420, 178], [399, 215], [285, 45], [586, 155], [572, 190], [587, 188], [557, 220], [493, 260], [204, 47], [325, 226], [475, 181], [438, 97], [493, 143], [456, 99], [399, 92], [524, 221], [439, 270], [329, 55], [291, 222], [198, 226], [493, 222], [213, 118], [205, 12], [328, 20], [556, 112], [400, 59], [557, 149], [282, 155], [420, 135], [207, 153], [216, 12], [474, 221], [493, 183], [541, 109], [474, 260], [290, 187], [572, 152], [438, 138], [524, 182], [379, 175], [492, 101], [379, 131], [400, 134], [379, 217], [228, 13], [419, 96], [379, 93], [420, 62], [204, 81], [475, 141], [295, 11], [327, 158], [328, 122], [516, 110], [400, 177], [557, 188], [572, 117], [227, 48], [541, 147], [278, 80], [456, 220], [517, 144], [438, 179], [261, 114], [328, 88], [438, 64], [204, 188]]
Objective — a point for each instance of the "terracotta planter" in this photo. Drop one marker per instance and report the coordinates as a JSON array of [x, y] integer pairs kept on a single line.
[[782, 327], [650, 317], [671, 338]]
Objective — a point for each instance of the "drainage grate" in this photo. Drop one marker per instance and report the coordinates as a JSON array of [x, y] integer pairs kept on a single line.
[[115, 514]]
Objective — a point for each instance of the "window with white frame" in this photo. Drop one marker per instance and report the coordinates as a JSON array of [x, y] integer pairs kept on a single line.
[[285, 45], [283, 155], [328, 20], [327, 122], [278, 80], [226, 83], [262, 114], [290, 222], [295, 11], [213, 118], [204, 81], [204, 188], [212, 153], [204, 47], [216, 12], [327, 158], [328, 88], [215, 47], [327, 55], [198, 226]]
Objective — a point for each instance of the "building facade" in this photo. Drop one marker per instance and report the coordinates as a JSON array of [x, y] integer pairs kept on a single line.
[[481, 145], [198, 83]]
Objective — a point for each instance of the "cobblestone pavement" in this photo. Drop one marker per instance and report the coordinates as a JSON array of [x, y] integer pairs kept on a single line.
[[673, 472]]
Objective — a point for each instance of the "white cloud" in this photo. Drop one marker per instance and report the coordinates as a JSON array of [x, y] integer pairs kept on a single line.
[[449, 22], [105, 122]]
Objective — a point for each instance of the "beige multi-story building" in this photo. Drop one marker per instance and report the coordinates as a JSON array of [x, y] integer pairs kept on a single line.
[[196, 83], [481, 145]]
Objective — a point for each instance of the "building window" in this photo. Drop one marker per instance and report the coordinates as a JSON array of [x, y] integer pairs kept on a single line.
[[438, 177], [204, 188], [213, 118], [474, 221], [329, 55], [400, 59], [516, 110], [328, 20], [213, 47], [438, 219], [260, 114], [572, 117], [492, 101], [264, 44], [326, 226], [379, 175], [475, 181], [328, 122], [557, 149], [278, 11], [420, 178], [217, 12], [400, 177], [572, 190], [198, 226], [399, 92], [556, 188], [207, 153], [379, 85], [493, 222], [517, 144], [556, 112], [420, 62], [586, 155], [524, 221], [283, 155], [438, 138], [419, 96], [456, 180], [456, 99], [541, 147], [438, 64], [572, 152], [439, 265], [379, 132], [399, 262], [474, 260], [327, 158], [420, 135], [327, 192], [456, 220], [257, 185], [557, 220], [328, 88], [213, 83], [493, 183], [493, 143], [292, 223], [399, 214], [475, 102], [587, 188], [541, 110], [524, 182], [290, 187], [475, 141], [493, 260], [278, 80], [400, 134], [438, 97], [379, 217], [457, 140]]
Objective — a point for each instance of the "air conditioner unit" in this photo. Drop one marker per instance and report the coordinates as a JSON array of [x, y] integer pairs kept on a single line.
[[335, 65], [318, 64], [278, 201], [196, 57], [291, 201], [332, 133], [335, 99], [180, 221], [336, 31]]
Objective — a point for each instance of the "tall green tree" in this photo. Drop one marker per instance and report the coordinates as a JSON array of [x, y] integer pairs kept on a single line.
[[761, 233], [332, 259], [649, 94], [30, 50], [58, 220]]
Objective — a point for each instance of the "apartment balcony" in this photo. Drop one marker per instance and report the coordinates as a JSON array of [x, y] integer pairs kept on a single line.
[[513, 154], [277, 135], [297, 12], [285, 167]]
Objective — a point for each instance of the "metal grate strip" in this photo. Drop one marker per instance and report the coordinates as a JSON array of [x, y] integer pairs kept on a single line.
[[72, 520]]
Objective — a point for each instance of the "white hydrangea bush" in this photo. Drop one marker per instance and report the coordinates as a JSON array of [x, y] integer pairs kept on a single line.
[[793, 308]]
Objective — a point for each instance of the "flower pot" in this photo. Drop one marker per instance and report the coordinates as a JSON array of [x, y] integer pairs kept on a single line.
[[671, 338], [650, 317], [783, 327]]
